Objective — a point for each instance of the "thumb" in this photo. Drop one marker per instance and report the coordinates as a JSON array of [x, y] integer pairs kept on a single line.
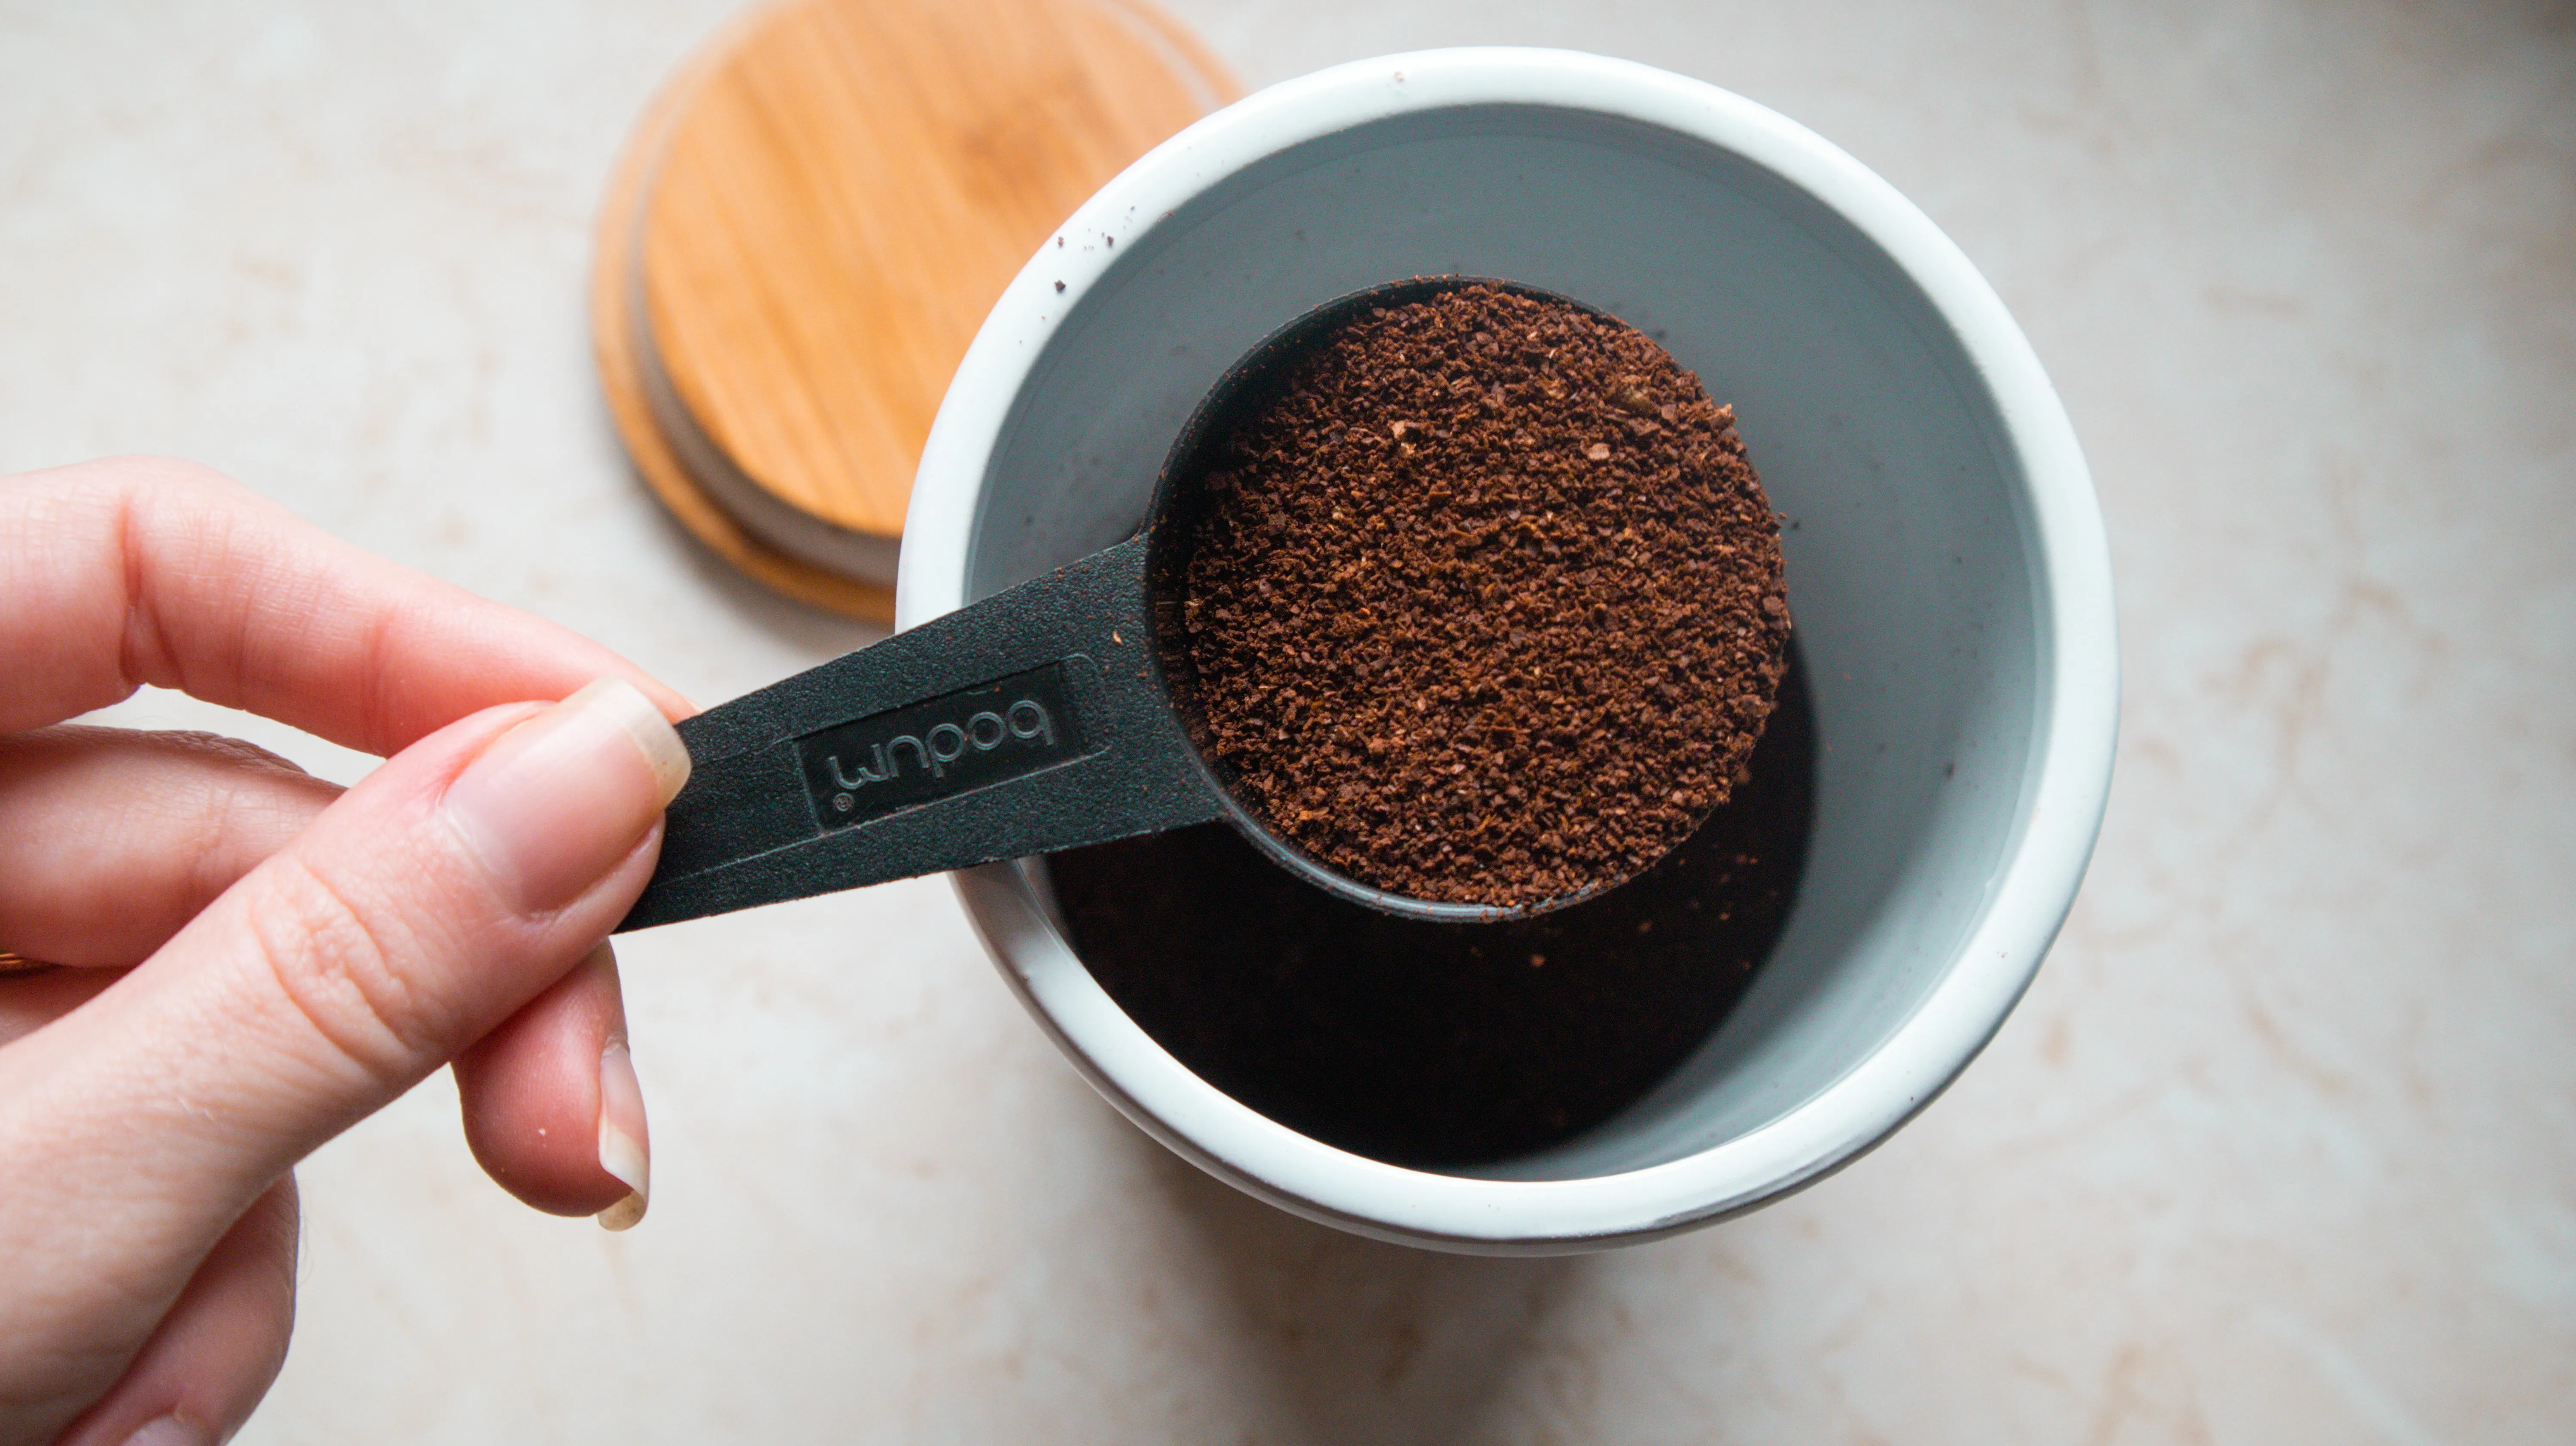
[[415, 914]]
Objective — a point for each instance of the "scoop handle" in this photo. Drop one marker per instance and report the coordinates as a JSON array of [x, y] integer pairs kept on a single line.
[[1033, 721]]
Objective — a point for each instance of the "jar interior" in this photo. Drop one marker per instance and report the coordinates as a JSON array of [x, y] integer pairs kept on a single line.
[[1913, 573]]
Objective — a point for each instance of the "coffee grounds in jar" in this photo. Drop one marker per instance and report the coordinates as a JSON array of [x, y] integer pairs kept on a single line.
[[1436, 1045], [1487, 606]]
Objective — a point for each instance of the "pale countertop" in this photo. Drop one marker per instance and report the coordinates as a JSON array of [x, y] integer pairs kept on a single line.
[[2280, 1148]]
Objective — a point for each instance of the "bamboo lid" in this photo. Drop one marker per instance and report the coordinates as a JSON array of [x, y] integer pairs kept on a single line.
[[809, 224]]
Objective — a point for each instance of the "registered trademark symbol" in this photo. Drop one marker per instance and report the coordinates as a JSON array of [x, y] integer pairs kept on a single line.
[[843, 803]]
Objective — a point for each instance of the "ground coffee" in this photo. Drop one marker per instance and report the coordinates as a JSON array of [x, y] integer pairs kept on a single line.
[[1487, 606], [1443, 1044]]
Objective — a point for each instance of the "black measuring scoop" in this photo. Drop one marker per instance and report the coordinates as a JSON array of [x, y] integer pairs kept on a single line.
[[1057, 714]]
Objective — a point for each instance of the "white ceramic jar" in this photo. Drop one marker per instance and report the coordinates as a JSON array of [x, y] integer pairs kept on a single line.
[[1947, 571]]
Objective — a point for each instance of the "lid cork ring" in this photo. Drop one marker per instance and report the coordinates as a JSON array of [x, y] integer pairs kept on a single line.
[[810, 222]]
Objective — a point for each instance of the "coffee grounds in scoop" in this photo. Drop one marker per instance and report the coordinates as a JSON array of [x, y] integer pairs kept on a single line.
[[1488, 603]]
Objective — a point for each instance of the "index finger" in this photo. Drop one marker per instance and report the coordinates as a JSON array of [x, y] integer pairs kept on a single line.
[[138, 570]]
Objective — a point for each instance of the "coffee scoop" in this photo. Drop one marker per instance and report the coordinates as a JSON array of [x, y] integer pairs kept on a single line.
[[1059, 713]]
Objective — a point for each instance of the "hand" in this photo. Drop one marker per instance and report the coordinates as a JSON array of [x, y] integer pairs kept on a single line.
[[250, 960]]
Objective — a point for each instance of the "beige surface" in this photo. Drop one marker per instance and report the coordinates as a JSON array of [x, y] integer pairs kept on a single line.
[[2281, 1148]]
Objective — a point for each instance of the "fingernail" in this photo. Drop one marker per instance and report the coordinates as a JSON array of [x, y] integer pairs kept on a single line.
[[623, 1148], [555, 802], [171, 1430]]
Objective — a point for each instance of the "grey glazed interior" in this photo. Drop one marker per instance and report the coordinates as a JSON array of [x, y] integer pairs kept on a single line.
[[1911, 573]]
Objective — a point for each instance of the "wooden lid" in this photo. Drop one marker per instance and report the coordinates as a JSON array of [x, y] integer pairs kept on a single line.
[[810, 223]]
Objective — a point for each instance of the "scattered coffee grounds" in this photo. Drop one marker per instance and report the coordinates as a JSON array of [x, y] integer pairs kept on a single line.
[[1487, 606], [1443, 1044]]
